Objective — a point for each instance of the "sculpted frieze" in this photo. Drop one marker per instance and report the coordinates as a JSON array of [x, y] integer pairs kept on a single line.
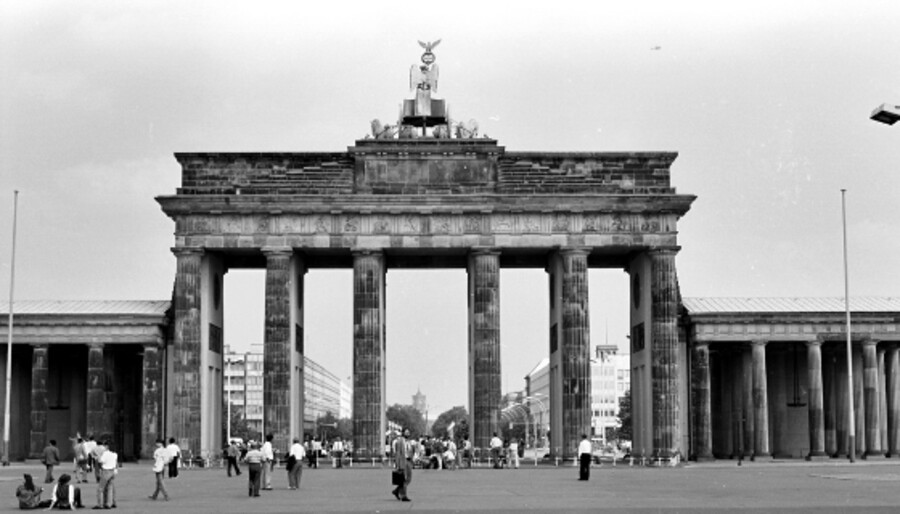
[[427, 224]]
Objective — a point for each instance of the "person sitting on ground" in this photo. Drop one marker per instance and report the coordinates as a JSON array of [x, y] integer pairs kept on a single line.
[[29, 495], [65, 495]]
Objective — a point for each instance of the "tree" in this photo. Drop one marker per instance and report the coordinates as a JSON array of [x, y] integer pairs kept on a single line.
[[240, 427], [457, 415], [407, 417], [624, 430]]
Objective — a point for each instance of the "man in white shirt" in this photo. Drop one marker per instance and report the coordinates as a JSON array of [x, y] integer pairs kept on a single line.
[[89, 446], [174, 455], [160, 458], [106, 489], [337, 450], [584, 456], [496, 446], [268, 464], [295, 465], [97, 451]]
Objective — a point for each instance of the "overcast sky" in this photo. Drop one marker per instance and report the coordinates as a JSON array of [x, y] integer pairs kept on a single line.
[[767, 104]]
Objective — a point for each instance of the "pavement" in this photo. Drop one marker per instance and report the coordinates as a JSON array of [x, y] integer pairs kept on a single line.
[[774, 486]]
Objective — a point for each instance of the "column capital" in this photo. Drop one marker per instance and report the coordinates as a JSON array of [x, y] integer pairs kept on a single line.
[[96, 346], [869, 341], [815, 342], [39, 346], [274, 251], [759, 342], [186, 251], [574, 250], [367, 252], [151, 346], [701, 343], [484, 250], [664, 250]]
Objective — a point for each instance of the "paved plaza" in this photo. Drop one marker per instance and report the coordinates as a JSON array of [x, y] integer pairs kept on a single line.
[[720, 486]]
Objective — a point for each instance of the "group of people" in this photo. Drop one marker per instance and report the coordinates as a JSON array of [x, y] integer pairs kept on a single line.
[[506, 453], [90, 457], [261, 462]]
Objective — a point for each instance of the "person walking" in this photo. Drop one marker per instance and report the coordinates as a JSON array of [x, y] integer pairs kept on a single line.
[[97, 451], [467, 452], [584, 456], [295, 464], [514, 453], [106, 489], [81, 461], [160, 457], [174, 456], [268, 463], [50, 458], [89, 446], [403, 461], [496, 448], [231, 455], [255, 460]]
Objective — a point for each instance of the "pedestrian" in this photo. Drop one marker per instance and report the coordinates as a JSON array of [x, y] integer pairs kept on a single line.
[[467, 452], [96, 453], [174, 457], [584, 456], [337, 450], [403, 461], [255, 460], [496, 447], [81, 461], [231, 455], [89, 446], [514, 453], [65, 496], [50, 459], [29, 495], [295, 464], [268, 463], [160, 458], [106, 489], [316, 451]]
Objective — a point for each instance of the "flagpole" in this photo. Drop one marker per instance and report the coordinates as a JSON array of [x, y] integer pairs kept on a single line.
[[850, 410], [9, 334]]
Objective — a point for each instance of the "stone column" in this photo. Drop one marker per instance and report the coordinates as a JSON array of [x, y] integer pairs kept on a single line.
[[368, 349], [816, 405], [893, 389], [39, 368], [748, 412], [664, 353], [277, 348], [576, 350], [151, 401], [703, 405], [842, 399], [760, 401], [882, 402], [870, 392], [737, 402], [186, 347], [859, 404], [484, 344], [830, 403], [96, 394]]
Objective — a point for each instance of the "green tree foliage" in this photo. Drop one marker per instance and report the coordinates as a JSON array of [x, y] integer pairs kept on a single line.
[[407, 417], [458, 415]]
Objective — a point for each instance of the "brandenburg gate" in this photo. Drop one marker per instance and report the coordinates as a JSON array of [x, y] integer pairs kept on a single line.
[[426, 193]]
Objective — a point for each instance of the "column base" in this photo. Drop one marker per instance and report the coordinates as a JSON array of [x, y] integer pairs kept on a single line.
[[708, 458], [762, 458], [818, 457], [874, 456]]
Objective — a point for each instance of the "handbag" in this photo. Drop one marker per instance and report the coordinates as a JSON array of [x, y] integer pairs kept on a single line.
[[397, 477]]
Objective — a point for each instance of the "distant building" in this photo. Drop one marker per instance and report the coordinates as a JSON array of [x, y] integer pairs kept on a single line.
[[610, 379], [419, 402], [537, 390], [323, 391]]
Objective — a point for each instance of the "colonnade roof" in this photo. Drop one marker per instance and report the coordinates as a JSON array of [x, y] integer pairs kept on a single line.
[[789, 305], [88, 307]]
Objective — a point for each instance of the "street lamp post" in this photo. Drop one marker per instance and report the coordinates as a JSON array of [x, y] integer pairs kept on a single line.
[[850, 414], [9, 337]]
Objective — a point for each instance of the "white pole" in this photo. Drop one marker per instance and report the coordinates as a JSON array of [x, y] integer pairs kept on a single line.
[[850, 410], [9, 335]]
